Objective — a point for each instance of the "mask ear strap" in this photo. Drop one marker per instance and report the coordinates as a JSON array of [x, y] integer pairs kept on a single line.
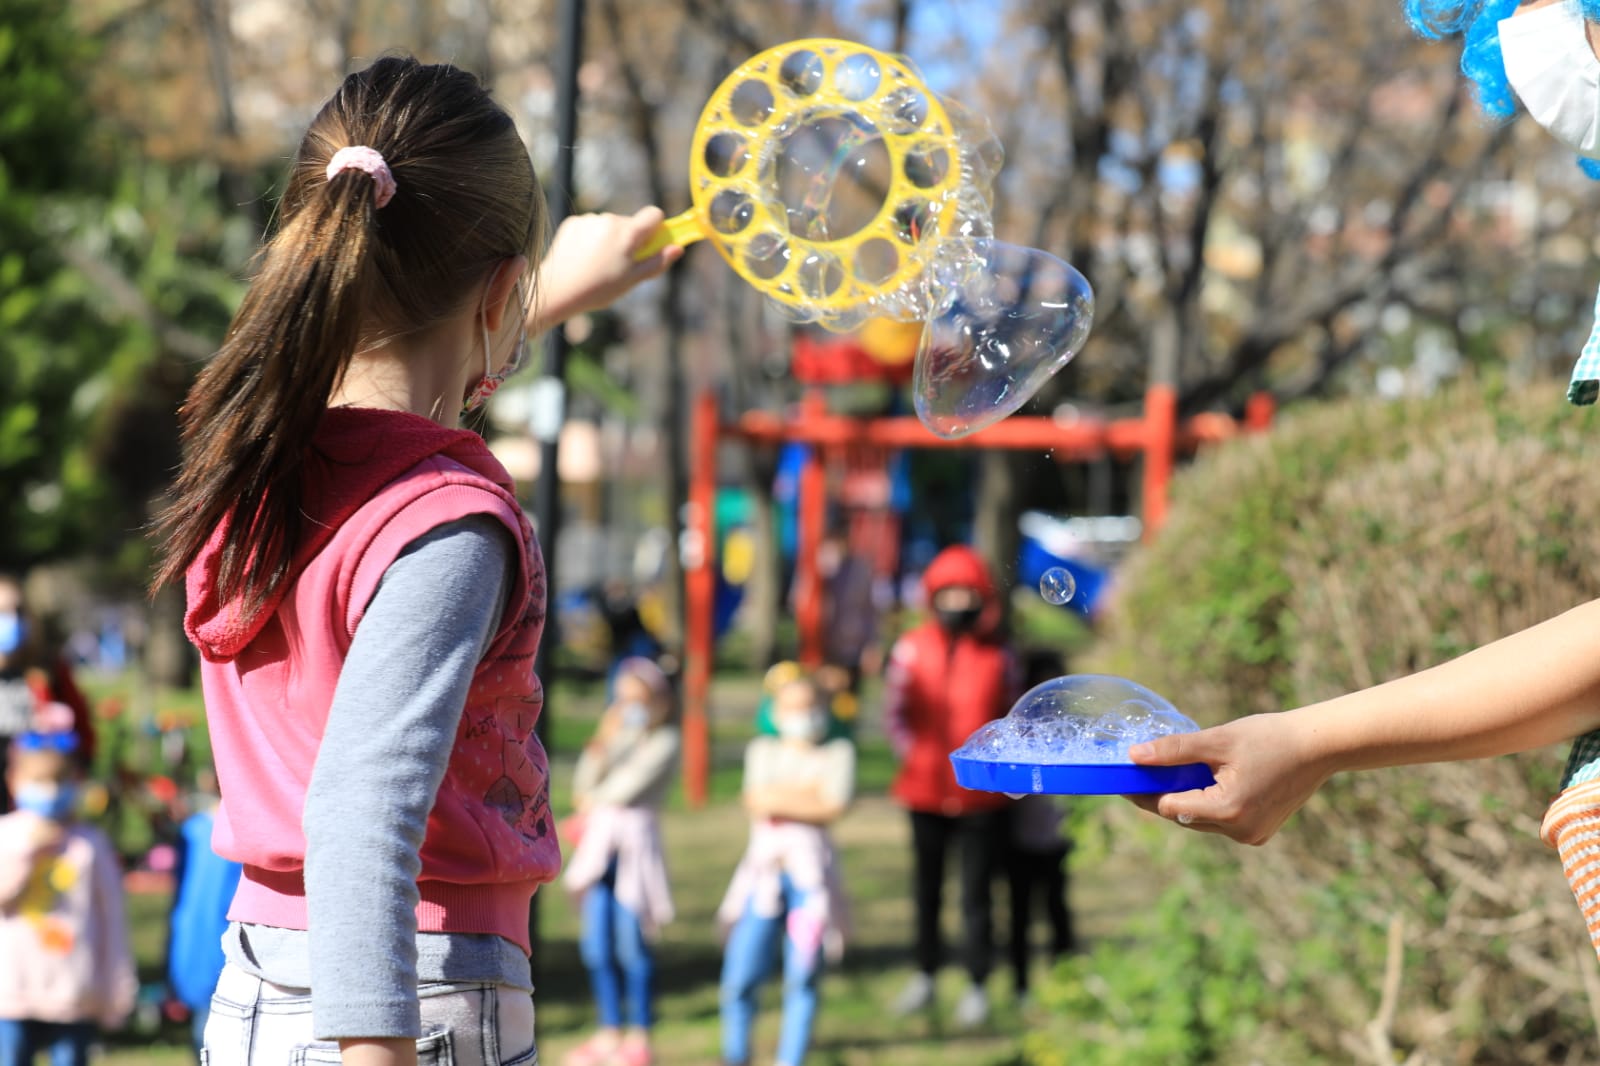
[[483, 325]]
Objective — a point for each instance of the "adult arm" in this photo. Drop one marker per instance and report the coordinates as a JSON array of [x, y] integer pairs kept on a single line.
[[1525, 691], [390, 732]]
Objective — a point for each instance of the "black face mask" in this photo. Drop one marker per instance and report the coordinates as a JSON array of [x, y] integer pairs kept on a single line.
[[956, 622]]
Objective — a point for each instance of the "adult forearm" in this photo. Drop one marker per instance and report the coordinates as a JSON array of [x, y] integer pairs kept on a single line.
[[1533, 688]]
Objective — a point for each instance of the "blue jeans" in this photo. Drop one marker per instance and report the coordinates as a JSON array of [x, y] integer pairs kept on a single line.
[[746, 961], [66, 1042], [612, 940]]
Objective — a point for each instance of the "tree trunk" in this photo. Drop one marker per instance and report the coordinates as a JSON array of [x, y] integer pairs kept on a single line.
[[994, 530], [674, 413], [764, 593]]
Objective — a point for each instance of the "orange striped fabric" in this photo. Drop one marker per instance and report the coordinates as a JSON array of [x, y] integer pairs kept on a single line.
[[1572, 827]]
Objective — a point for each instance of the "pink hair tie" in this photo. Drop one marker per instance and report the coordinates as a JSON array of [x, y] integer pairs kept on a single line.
[[369, 162]]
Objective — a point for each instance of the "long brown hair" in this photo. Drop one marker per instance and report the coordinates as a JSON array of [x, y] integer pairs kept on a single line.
[[338, 275]]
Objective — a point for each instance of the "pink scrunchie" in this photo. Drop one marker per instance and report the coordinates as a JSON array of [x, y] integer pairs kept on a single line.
[[369, 162]]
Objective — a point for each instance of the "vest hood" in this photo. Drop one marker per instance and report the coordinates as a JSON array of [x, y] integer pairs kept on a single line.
[[356, 452]]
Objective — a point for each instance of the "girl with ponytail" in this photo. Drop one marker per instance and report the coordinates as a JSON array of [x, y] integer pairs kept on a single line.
[[367, 594]]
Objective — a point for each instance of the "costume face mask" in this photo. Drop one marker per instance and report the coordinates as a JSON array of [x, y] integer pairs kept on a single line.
[[1554, 72]]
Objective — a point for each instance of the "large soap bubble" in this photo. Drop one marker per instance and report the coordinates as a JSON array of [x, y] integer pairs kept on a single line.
[[1004, 320], [1072, 735]]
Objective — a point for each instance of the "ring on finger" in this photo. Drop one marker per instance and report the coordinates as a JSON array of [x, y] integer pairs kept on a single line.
[[1185, 818]]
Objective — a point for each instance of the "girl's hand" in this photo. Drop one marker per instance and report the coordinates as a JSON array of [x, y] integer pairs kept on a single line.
[[591, 263], [1265, 767]]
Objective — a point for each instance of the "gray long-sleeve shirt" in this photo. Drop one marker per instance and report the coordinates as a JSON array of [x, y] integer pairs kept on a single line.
[[390, 731]]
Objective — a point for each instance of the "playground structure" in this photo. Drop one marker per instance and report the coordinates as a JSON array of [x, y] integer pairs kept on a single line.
[[1158, 436]]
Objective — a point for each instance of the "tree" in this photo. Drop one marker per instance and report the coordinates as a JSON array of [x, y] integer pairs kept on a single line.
[[102, 280]]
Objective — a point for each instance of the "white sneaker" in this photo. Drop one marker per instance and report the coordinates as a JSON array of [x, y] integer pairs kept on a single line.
[[916, 996], [972, 1009]]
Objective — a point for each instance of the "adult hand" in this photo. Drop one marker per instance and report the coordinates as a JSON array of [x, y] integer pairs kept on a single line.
[[591, 263], [1265, 767]]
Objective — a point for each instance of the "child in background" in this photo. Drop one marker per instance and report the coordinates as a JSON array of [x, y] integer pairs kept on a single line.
[[33, 673], [65, 965], [1036, 862], [787, 887], [617, 869], [206, 883], [947, 677]]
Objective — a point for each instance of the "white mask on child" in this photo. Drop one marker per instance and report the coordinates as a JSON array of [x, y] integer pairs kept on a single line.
[[810, 727], [635, 716], [1554, 72]]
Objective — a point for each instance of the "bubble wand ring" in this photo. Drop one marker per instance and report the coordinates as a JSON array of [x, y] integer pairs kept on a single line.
[[736, 180]]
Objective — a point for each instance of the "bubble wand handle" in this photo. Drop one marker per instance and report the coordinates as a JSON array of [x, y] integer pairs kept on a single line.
[[679, 229]]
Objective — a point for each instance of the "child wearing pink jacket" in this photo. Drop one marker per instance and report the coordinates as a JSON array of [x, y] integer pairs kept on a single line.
[[63, 932]]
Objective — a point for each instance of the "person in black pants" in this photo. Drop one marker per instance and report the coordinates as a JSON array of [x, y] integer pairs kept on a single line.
[[1036, 855], [980, 844], [946, 678], [1036, 867]]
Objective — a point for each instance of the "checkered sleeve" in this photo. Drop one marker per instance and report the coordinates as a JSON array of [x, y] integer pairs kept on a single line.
[[1585, 384]]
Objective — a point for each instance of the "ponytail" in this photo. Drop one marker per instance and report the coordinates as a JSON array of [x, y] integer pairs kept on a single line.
[[336, 267]]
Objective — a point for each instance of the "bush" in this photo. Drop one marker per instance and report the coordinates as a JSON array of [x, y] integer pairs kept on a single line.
[[1355, 544]]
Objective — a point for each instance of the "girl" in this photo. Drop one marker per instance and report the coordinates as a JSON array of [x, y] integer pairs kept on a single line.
[[1533, 688], [787, 886], [63, 931], [617, 869], [365, 590]]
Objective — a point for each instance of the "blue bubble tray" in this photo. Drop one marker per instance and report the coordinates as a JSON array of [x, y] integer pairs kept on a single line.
[[1079, 779]]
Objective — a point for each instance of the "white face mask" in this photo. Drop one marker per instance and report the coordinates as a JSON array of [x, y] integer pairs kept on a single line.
[[635, 716], [1555, 73], [810, 727]]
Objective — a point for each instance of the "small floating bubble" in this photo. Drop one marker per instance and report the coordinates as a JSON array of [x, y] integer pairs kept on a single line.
[[1057, 585]]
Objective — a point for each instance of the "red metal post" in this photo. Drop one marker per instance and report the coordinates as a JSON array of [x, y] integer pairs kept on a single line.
[[1259, 410], [1161, 425], [813, 520], [700, 591]]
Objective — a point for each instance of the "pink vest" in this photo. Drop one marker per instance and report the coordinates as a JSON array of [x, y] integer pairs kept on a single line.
[[490, 840]]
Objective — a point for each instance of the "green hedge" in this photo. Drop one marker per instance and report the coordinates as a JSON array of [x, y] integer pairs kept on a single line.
[[1356, 543]]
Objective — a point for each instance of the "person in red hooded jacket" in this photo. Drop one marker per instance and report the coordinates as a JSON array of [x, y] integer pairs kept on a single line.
[[945, 679]]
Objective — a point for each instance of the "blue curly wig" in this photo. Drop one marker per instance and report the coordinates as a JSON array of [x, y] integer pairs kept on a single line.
[[1477, 23]]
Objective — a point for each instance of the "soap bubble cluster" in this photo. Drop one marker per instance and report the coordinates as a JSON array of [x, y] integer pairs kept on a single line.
[[1080, 719], [839, 185], [833, 179]]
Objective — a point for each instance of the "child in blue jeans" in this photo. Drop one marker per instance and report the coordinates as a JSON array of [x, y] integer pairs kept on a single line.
[[617, 869], [787, 887]]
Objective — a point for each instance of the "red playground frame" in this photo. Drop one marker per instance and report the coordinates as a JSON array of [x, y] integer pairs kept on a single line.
[[1158, 435]]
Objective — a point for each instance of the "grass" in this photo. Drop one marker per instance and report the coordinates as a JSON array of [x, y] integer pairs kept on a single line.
[[854, 1025]]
